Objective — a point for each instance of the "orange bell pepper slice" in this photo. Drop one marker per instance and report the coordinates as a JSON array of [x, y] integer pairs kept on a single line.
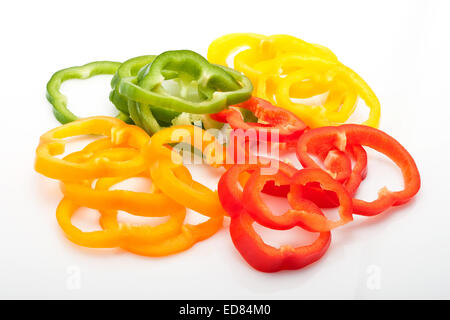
[[110, 238], [190, 235], [137, 203], [153, 204], [190, 194]]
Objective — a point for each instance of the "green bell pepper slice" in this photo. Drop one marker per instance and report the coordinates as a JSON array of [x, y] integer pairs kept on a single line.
[[130, 68], [218, 86], [59, 101]]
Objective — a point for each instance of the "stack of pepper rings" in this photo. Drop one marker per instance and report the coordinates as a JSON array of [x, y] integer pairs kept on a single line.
[[163, 95], [124, 153], [286, 70], [330, 184], [176, 87]]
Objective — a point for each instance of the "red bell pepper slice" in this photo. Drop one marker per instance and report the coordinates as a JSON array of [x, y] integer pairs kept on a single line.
[[266, 258], [229, 187], [304, 214], [288, 126], [351, 179], [252, 248], [353, 135]]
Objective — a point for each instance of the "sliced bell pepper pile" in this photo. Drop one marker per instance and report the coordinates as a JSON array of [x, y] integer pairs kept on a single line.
[[358, 135], [127, 153], [175, 87], [266, 258], [59, 101], [178, 94], [176, 83], [250, 245], [301, 216]]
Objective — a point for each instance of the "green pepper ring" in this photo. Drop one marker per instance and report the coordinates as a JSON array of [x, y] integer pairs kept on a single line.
[[59, 101], [145, 118], [129, 87], [127, 69]]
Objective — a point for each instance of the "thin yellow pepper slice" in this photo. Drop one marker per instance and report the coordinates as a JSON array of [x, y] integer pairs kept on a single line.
[[257, 48], [315, 116], [53, 143], [194, 196], [110, 238], [222, 48], [137, 203], [276, 64], [109, 201], [190, 235], [141, 234]]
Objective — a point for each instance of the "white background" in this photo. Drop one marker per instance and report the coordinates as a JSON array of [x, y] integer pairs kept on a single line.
[[401, 48]]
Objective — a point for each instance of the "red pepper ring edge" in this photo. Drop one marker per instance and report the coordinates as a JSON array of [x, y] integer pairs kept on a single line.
[[266, 258], [353, 134], [229, 184], [289, 126], [303, 212], [326, 199], [337, 163]]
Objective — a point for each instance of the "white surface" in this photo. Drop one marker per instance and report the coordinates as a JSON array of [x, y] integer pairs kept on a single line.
[[401, 48]]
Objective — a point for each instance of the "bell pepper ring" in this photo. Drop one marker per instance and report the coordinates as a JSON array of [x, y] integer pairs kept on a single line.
[[352, 134], [136, 203], [315, 84], [301, 215], [92, 239], [52, 143], [337, 163], [307, 81], [258, 48], [189, 236], [288, 127], [206, 74], [142, 234], [193, 136], [114, 234], [288, 62], [266, 258], [59, 101], [229, 186], [350, 180], [223, 47], [252, 248], [147, 117], [190, 194], [316, 115], [218, 86]]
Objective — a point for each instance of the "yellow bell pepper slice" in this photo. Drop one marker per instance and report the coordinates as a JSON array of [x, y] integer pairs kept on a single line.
[[316, 115], [154, 204], [164, 161], [53, 143], [276, 66]]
